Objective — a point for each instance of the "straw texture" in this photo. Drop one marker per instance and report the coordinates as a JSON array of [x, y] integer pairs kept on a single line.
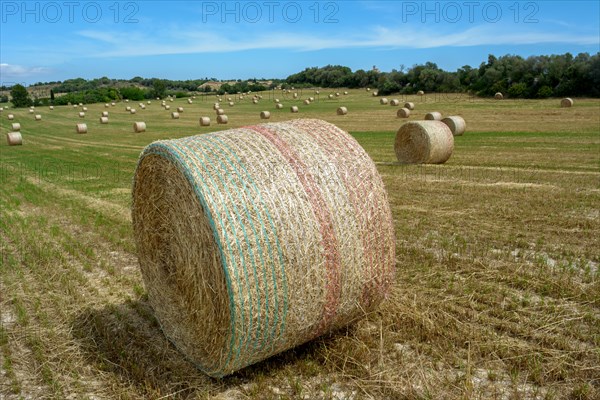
[[566, 102], [383, 101], [205, 121], [410, 105], [265, 115], [14, 138], [394, 102], [81, 128], [498, 96], [139, 127], [424, 142], [222, 119], [403, 113], [433, 116], [254, 240], [456, 124]]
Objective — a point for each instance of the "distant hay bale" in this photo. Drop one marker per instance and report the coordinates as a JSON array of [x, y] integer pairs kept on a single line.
[[337, 94], [306, 102], [126, 100], [139, 127], [75, 106], [294, 109], [420, 93], [38, 117], [104, 120], [81, 114], [105, 113], [10, 117], [276, 100], [317, 92], [229, 99], [190, 101], [368, 89], [128, 108], [433, 116], [80, 104], [456, 124], [142, 106], [255, 101], [113, 104], [216, 106], [51, 108], [330, 96], [345, 93], [132, 111], [342, 111], [204, 121], [295, 95], [171, 100], [394, 102], [174, 115], [409, 105], [279, 106], [15, 126], [81, 128], [220, 111], [14, 138], [265, 115], [180, 109], [424, 142], [222, 119], [498, 96], [31, 111], [167, 107], [383, 101], [106, 105], [231, 104], [566, 102], [254, 240], [375, 94], [403, 112], [149, 102]]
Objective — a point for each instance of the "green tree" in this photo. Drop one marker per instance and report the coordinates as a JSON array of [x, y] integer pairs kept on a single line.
[[159, 88], [20, 96]]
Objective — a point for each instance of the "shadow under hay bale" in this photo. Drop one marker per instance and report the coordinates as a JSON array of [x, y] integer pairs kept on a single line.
[[424, 142], [229, 275]]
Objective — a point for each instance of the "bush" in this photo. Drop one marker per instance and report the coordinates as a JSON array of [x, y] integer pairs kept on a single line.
[[544, 92], [20, 96]]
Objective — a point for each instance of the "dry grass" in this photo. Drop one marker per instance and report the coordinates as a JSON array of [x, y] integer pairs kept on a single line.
[[497, 263]]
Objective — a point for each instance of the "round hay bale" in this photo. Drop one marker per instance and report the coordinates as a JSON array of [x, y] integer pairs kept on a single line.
[[149, 102], [410, 105], [139, 127], [10, 117], [31, 111], [220, 111], [105, 113], [14, 139], [128, 108], [74, 105], [317, 92], [171, 100], [106, 105], [456, 124], [229, 99], [231, 104], [342, 111], [368, 89], [180, 109], [38, 117], [51, 108], [132, 111], [16, 127], [498, 96], [265, 115], [337, 94], [294, 109], [254, 240], [279, 106], [295, 95], [81, 114], [167, 107], [216, 106], [81, 128], [375, 94], [113, 104], [424, 142], [255, 101], [330, 96], [566, 102], [190, 101], [126, 100], [80, 104], [84, 109], [394, 102], [403, 112], [345, 93], [222, 119], [276, 100], [306, 102], [311, 99], [421, 93], [142, 106], [204, 121], [433, 116], [383, 101], [104, 120], [175, 115]]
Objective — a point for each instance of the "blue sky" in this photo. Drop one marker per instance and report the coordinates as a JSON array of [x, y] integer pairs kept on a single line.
[[58, 40]]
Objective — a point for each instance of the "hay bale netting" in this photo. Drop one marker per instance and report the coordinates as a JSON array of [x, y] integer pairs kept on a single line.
[[104, 120], [410, 105], [383, 101], [294, 109], [433, 116], [456, 124], [222, 119], [342, 111], [566, 102], [16, 126], [498, 96], [139, 127], [175, 115], [265, 115], [394, 102], [14, 138], [38, 117], [81, 128], [204, 121], [230, 276], [424, 142], [403, 112]]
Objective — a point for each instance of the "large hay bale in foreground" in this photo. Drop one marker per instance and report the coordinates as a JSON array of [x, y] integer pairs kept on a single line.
[[566, 102], [433, 116], [81, 128], [456, 124], [403, 112], [139, 127], [254, 240], [424, 142], [342, 111], [14, 139]]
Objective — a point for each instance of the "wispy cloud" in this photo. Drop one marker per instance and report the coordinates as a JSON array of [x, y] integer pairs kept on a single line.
[[186, 41], [12, 71]]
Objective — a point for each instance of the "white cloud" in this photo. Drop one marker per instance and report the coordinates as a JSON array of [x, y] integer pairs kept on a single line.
[[186, 41], [10, 71]]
